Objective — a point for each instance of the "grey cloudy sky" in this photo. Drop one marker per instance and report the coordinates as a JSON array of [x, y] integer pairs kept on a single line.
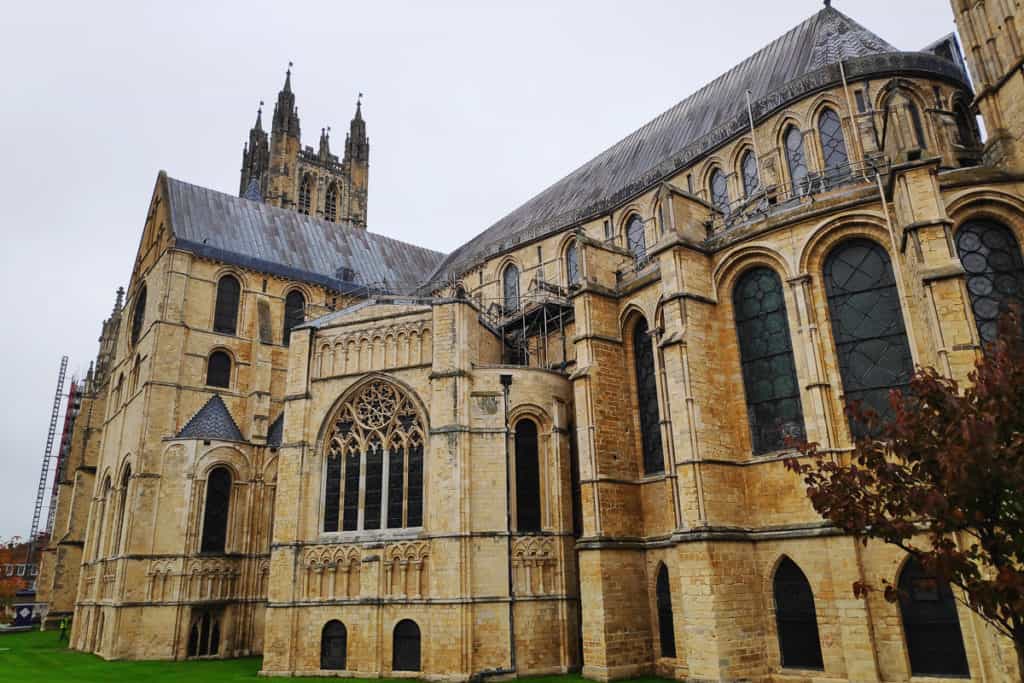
[[471, 108]]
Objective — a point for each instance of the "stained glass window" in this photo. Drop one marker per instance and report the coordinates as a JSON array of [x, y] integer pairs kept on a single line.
[[795, 618], [510, 288], [995, 273], [225, 310], [406, 646], [215, 514], [305, 194], [294, 313], [719, 190], [931, 626], [636, 242], [333, 645], [766, 355], [666, 627], [647, 399], [796, 159], [833, 145], [218, 369], [751, 178], [331, 203], [138, 315], [867, 325], [527, 477], [572, 264], [375, 433]]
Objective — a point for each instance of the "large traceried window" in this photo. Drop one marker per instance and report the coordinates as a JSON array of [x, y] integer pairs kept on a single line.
[[930, 624], [215, 511], [225, 311], [995, 273], [796, 158], [636, 242], [647, 399], [666, 626], [719, 187], [527, 477], [867, 325], [796, 618], [331, 203], [766, 354], [510, 288], [374, 468], [751, 178], [305, 194], [294, 314], [138, 315], [833, 145]]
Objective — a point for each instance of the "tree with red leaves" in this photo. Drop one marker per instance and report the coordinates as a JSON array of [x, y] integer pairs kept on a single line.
[[943, 479]]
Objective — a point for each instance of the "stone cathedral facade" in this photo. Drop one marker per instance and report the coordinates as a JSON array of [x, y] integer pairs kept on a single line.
[[561, 446]]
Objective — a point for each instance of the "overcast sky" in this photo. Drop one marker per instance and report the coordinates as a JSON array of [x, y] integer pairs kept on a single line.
[[471, 108]]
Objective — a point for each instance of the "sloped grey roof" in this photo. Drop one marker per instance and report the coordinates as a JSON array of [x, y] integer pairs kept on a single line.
[[801, 61], [213, 421], [292, 245], [276, 432]]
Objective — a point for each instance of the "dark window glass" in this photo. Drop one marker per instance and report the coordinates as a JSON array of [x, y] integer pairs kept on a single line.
[[350, 518], [795, 618], [374, 480], [995, 273], [510, 288], [861, 103], [965, 125], [332, 491], [218, 369], [572, 264], [294, 313], [204, 634], [331, 205], [225, 311], [795, 158], [406, 648], [833, 145], [751, 179], [527, 477], [915, 119], [414, 513], [930, 624], [647, 399], [215, 514], [636, 242], [867, 324], [666, 628], [333, 645], [719, 191], [396, 475], [766, 354], [193, 640], [305, 194], [138, 315]]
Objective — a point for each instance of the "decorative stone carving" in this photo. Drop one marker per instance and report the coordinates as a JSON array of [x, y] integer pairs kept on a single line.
[[331, 572], [533, 565], [405, 570]]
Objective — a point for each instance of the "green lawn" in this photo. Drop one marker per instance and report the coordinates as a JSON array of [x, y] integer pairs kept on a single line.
[[36, 656]]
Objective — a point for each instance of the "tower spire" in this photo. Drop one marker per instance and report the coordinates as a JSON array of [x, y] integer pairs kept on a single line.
[[259, 117]]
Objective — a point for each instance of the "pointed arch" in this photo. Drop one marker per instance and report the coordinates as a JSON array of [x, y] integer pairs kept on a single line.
[[795, 618], [991, 257], [834, 155], [138, 314], [666, 625], [642, 348], [572, 264], [305, 193], [636, 240], [718, 189], [331, 202], [749, 173], [931, 627], [510, 288], [796, 157]]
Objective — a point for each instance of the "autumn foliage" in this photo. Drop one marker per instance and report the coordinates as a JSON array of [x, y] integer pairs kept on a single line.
[[943, 479]]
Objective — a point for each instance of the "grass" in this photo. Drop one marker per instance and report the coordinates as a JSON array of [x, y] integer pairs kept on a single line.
[[40, 657]]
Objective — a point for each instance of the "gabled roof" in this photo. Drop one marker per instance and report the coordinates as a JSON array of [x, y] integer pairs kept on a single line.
[[276, 432], [789, 67], [213, 421], [292, 245]]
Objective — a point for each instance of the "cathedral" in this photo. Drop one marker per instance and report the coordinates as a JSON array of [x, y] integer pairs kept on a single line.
[[560, 447]]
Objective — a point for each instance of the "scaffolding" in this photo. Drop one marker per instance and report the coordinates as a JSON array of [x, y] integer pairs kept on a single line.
[[533, 328], [44, 473]]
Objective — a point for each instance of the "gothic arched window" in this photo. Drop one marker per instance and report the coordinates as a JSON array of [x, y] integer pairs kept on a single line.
[[751, 178], [218, 369], [138, 314], [527, 477], [333, 645], [867, 325], [795, 618], [647, 399], [305, 194], [931, 626], [766, 355], [796, 158], [331, 203], [572, 264], [995, 273], [636, 242], [510, 288], [375, 446], [405, 655], [225, 311], [666, 627], [215, 512], [122, 502], [204, 634], [719, 188], [833, 145], [294, 314]]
